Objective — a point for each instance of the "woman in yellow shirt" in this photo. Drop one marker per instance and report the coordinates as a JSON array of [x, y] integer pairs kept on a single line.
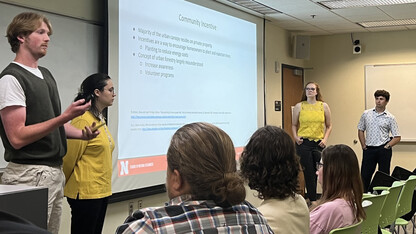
[[311, 126], [88, 164]]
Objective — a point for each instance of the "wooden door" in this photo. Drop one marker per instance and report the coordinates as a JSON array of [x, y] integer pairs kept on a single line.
[[292, 87]]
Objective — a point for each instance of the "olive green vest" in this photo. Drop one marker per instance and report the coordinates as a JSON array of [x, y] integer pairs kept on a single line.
[[42, 104]]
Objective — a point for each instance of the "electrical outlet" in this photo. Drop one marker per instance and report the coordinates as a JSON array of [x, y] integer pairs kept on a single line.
[[139, 204], [130, 208]]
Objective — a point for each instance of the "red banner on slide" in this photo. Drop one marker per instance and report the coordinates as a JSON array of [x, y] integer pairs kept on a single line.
[[135, 166]]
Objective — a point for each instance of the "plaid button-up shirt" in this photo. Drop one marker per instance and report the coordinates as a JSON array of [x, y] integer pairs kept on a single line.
[[183, 215]]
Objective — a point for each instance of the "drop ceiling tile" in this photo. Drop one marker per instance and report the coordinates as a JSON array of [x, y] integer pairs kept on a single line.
[[404, 11], [361, 14], [297, 16]]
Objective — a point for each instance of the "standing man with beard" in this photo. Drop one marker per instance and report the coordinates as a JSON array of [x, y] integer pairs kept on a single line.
[[32, 127]]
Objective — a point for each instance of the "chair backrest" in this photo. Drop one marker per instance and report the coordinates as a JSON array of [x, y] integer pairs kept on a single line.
[[401, 173], [381, 179], [373, 212], [352, 229], [404, 204], [388, 212]]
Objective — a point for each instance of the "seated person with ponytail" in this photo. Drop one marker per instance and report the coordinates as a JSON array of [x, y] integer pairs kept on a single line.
[[206, 193]]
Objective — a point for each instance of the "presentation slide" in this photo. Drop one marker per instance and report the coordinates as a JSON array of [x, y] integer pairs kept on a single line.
[[179, 62]]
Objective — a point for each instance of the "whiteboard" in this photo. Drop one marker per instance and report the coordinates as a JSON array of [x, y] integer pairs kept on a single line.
[[73, 52], [400, 81]]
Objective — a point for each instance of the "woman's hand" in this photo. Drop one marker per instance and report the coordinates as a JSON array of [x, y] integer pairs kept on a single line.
[[90, 132], [322, 144], [299, 140]]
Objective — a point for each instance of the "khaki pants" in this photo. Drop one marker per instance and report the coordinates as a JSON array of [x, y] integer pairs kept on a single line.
[[43, 176]]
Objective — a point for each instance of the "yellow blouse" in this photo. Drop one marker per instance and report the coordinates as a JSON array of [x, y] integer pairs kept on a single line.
[[88, 164], [312, 121]]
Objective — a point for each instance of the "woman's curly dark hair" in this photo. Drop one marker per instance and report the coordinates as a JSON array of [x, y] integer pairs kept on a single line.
[[269, 163]]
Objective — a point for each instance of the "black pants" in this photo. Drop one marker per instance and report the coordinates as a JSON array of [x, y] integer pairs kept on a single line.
[[310, 154], [87, 215], [372, 156]]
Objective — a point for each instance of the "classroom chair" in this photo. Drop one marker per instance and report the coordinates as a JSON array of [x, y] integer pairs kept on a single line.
[[352, 229], [388, 212], [403, 174], [381, 179], [399, 173], [373, 212], [404, 204]]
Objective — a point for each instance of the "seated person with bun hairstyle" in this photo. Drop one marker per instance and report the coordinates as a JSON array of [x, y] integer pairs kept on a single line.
[[206, 193]]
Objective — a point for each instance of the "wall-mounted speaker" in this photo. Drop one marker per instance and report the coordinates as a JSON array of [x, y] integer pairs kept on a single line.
[[301, 46], [356, 48]]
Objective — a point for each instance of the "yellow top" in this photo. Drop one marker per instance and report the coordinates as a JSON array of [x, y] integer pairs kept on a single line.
[[88, 164], [311, 121]]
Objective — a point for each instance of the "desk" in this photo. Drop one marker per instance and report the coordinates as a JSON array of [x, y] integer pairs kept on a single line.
[[30, 203]]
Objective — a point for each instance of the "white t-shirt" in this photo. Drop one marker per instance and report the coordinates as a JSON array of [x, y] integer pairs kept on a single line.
[[11, 92]]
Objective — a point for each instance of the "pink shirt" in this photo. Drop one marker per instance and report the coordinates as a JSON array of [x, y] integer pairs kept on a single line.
[[330, 215]]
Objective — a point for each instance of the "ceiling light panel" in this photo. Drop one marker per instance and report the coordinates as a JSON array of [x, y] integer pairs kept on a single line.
[[255, 6], [388, 23], [339, 4]]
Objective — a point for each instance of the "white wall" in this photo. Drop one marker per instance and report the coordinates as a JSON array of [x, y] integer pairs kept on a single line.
[[335, 68]]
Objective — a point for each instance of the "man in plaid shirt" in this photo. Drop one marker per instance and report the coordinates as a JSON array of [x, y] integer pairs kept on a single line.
[[207, 195]]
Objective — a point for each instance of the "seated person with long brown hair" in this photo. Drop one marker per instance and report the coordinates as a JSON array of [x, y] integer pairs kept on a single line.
[[342, 191]]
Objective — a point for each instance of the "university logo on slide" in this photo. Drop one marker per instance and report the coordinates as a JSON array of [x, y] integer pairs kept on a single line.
[[124, 167]]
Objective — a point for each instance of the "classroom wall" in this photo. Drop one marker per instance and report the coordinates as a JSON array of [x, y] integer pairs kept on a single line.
[[335, 68], [341, 77], [277, 48], [89, 10]]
